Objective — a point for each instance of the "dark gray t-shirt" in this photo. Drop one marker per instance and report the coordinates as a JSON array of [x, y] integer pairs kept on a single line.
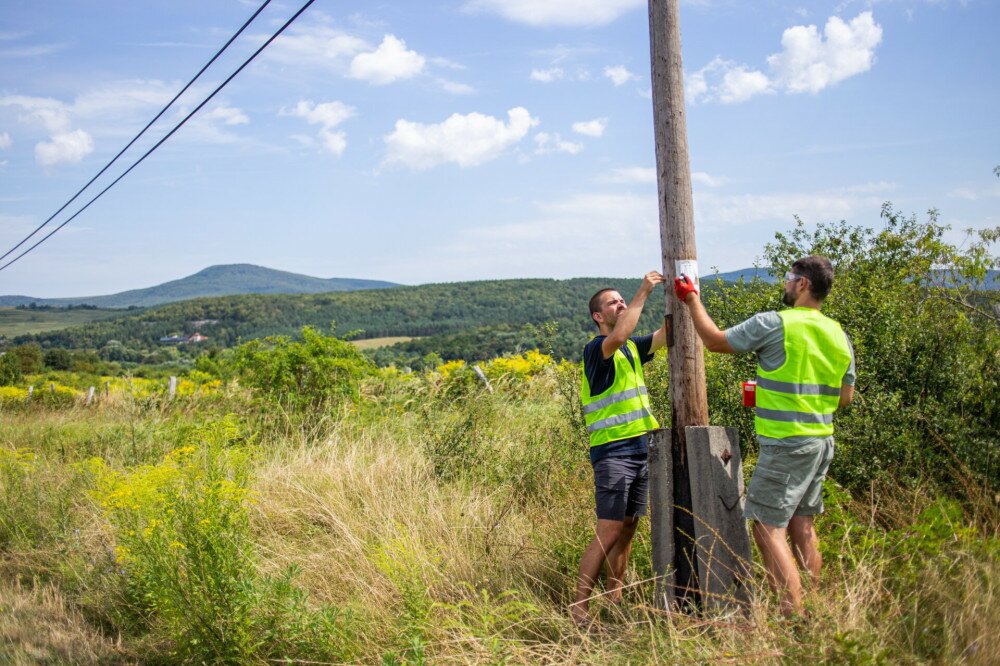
[[764, 334]]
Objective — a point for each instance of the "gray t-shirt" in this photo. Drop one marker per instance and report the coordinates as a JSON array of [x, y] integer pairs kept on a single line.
[[764, 334]]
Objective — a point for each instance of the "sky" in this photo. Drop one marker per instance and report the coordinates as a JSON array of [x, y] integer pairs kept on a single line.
[[452, 140]]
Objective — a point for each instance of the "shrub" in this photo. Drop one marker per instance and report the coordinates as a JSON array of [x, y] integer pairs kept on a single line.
[[186, 555], [926, 342], [10, 369], [303, 375]]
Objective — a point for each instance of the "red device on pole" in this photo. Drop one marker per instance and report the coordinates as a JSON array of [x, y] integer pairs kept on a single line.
[[750, 393]]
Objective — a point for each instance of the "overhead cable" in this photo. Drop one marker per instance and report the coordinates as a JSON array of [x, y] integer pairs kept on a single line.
[[169, 134], [143, 131]]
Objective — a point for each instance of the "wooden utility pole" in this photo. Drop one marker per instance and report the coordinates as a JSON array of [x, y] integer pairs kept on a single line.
[[688, 396], [689, 400]]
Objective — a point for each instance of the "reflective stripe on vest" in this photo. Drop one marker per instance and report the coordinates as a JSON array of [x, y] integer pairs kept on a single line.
[[799, 398], [622, 411]]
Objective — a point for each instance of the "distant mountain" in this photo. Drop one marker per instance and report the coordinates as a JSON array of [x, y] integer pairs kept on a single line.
[[745, 273], [228, 280]]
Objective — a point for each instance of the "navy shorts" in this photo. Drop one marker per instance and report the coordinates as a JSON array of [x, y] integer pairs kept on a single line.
[[621, 486]]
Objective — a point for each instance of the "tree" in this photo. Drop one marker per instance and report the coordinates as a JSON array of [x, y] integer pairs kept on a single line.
[[10, 369], [58, 359], [29, 357]]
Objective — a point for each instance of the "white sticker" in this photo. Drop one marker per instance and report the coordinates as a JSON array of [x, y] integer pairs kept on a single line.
[[687, 267]]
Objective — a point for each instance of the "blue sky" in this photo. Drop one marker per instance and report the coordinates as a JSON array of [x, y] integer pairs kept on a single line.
[[476, 139]]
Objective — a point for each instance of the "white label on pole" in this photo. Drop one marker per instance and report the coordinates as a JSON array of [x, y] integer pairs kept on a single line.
[[687, 267]]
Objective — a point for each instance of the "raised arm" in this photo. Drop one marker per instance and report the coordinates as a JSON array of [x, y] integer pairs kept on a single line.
[[714, 338], [627, 320]]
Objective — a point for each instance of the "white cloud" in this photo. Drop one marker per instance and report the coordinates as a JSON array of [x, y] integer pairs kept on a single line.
[[740, 84], [124, 98], [391, 61], [333, 142], [730, 83], [964, 193], [455, 88], [553, 143], [316, 45], [702, 178], [33, 51], [227, 115], [51, 114], [547, 75], [808, 62], [556, 12], [328, 115], [64, 148], [716, 212], [466, 140], [975, 194], [643, 175], [594, 128], [619, 75], [438, 61], [559, 240], [5, 141]]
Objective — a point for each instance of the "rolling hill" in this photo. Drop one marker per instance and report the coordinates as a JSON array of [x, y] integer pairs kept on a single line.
[[226, 280]]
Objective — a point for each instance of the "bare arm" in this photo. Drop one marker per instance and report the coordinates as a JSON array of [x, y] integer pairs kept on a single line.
[[714, 338], [627, 320], [846, 395]]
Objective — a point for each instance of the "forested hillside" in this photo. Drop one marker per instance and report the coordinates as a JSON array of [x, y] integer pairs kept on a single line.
[[476, 319]]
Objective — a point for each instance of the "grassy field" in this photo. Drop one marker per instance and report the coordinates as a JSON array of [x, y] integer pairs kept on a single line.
[[427, 521], [375, 343], [15, 322]]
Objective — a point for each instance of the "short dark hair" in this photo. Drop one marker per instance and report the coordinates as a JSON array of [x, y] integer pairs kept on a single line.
[[595, 301], [819, 271]]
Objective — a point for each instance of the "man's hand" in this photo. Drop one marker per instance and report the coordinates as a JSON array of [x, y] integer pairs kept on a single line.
[[650, 280], [684, 287]]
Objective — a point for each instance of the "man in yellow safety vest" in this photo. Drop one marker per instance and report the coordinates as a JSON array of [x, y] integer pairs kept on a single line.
[[805, 371], [617, 414]]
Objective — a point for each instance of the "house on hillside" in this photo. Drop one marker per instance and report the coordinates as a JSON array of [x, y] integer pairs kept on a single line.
[[181, 339]]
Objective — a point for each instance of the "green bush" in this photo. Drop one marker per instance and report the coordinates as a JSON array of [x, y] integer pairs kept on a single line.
[[302, 375], [925, 338], [10, 369]]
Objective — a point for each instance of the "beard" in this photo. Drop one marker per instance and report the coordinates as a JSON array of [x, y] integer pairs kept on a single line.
[[788, 298]]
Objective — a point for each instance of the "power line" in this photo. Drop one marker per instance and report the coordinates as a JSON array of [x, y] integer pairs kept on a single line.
[[143, 131], [158, 143]]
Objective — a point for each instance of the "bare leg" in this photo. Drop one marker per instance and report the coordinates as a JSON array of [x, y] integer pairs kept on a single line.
[[618, 559], [782, 573], [608, 533], [805, 546]]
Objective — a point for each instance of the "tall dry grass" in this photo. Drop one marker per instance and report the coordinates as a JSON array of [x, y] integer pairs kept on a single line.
[[446, 527]]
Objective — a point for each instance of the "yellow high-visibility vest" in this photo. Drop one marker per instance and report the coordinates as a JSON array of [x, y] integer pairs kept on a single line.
[[622, 411], [799, 398]]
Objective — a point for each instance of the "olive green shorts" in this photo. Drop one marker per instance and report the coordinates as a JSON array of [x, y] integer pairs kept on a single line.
[[787, 481]]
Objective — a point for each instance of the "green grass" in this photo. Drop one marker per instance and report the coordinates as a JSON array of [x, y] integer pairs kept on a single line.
[[15, 322], [376, 343], [427, 522]]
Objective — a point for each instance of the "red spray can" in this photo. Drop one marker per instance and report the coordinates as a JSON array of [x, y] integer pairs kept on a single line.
[[750, 393]]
